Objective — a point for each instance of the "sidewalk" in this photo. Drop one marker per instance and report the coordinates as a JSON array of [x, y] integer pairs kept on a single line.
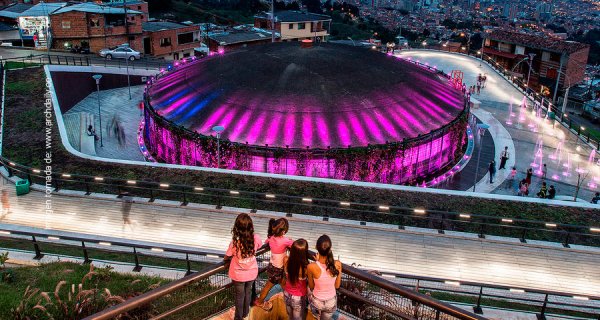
[[450, 256]]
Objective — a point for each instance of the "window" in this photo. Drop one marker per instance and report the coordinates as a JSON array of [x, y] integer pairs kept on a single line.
[[139, 7], [94, 22], [301, 26], [184, 38], [66, 24], [291, 26], [165, 42], [545, 56]]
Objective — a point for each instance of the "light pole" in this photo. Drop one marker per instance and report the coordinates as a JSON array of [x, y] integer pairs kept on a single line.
[[128, 82], [481, 127], [531, 56], [218, 130], [97, 77], [353, 43]]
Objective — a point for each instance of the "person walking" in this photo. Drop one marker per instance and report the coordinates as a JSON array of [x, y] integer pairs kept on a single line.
[[243, 268], [544, 171], [478, 88], [5, 203], [324, 277], [510, 182], [523, 188], [279, 245], [528, 176], [295, 281], [503, 157], [492, 170]]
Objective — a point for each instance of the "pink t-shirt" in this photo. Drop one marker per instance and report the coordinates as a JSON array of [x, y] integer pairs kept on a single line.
[[278, 247], [246, 269]]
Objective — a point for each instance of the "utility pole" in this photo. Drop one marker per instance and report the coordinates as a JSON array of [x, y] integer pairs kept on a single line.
[[272, 20], [126, 22]]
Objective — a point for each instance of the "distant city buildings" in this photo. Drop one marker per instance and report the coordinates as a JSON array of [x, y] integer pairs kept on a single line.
[[296, 25]]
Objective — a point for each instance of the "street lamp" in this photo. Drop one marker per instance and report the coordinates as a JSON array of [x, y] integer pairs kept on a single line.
[[97, 77], [353, 44], [531, 56], [481, 127], [218, 130]]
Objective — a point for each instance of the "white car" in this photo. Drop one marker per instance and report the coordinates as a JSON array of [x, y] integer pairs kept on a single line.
[[120, 53]]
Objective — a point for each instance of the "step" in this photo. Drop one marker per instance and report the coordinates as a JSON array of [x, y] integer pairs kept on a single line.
[[73, 127]]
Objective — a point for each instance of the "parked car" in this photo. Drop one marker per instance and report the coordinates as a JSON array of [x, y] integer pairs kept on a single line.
[[120, 53]]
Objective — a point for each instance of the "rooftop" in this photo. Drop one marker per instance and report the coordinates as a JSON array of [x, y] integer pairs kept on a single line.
[[42, 9], [538, 42], [13, 11], [91, 7], [153, 26], [238, 36], [296, 16]]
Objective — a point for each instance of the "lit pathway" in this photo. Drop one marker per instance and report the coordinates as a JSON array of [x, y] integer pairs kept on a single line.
[[495, 98], [389, 250]]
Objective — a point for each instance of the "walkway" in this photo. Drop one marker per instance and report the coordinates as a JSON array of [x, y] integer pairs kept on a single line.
[[396, 251], [114, 102], [536, 141]]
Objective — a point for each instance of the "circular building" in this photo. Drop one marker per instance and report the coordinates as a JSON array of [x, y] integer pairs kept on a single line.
[[329, 111]]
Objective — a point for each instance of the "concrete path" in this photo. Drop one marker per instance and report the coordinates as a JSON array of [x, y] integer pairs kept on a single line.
[[536, 140], [388, 250]]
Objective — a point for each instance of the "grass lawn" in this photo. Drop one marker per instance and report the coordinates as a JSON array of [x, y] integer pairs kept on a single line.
[[9, 65], [46, 277], [24, 143]]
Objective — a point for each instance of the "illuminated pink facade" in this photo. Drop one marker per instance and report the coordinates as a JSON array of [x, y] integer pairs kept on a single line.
[[394, 122]]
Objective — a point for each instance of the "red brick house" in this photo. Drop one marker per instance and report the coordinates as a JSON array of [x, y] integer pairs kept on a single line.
[[509, 49], [170, 40], [233, 39], [96, 25]]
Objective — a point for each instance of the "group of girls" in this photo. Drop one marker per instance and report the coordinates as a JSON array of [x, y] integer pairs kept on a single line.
[[304, 284]]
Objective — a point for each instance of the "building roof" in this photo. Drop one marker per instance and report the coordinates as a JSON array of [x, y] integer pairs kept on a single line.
[[42, 9], [538, 42], [296, 16], [91, 7], [13, 11], [119, 3], [153, 26], [227, 38]]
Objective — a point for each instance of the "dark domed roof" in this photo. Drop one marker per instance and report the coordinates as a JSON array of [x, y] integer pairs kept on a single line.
[[329, 95]]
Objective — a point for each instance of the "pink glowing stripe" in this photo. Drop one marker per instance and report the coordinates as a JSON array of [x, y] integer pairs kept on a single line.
[[359, 131], [307, 130], [240, 125], [428, 108], [387, 125], [323, 131], [343, 133], [273, 132], [257, 129], [373, 128], [399, 121], [289, 129], [181, 102], [408, 120], [212, 120]]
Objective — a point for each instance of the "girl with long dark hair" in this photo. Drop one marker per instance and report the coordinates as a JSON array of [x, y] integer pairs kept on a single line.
[[279, 245], [243, 268], [294, 283], [324, 277]]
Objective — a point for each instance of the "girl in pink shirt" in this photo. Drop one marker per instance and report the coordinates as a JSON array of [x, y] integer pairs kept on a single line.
[[279, 245], [324, 278], [243, 268]]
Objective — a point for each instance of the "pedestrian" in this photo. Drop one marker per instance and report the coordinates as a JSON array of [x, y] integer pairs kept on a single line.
[[511, 178], [36, 41], [523, 188], [92, 133], [492, 170], [544, 171], [243, 268], [295, 282], [279, 245], [503, 157], [551, 192], [5, 203], [126, 210], [528, 176], [595, 199], [324, 278], [543, 191], [484, 80], [478, 88]]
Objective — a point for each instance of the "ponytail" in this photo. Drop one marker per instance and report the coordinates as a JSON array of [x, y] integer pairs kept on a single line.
[[272, 222], [324, 249]]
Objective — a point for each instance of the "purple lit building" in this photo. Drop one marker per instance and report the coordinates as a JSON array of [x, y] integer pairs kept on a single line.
[[327, 111]]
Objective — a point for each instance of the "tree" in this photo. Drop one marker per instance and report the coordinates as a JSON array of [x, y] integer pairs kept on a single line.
[[159, 5], [313, 6]]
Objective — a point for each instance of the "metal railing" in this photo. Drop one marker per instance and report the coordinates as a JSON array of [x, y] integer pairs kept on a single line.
[[82, 60], [402, 217], [366, 294]]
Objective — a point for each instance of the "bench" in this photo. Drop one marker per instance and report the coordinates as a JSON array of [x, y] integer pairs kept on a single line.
[[87, 142]]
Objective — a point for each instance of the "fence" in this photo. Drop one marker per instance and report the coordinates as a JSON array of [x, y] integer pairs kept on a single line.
[[81, 60], [402, 217]]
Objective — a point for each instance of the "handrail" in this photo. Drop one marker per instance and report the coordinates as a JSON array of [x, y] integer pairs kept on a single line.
[[402, 216], [411, 294], [85, 60]]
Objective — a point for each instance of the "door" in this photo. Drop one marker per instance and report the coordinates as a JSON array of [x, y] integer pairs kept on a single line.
[[147, 46]]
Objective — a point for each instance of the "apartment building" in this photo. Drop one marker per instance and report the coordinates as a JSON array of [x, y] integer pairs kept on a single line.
[[296, 25]]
